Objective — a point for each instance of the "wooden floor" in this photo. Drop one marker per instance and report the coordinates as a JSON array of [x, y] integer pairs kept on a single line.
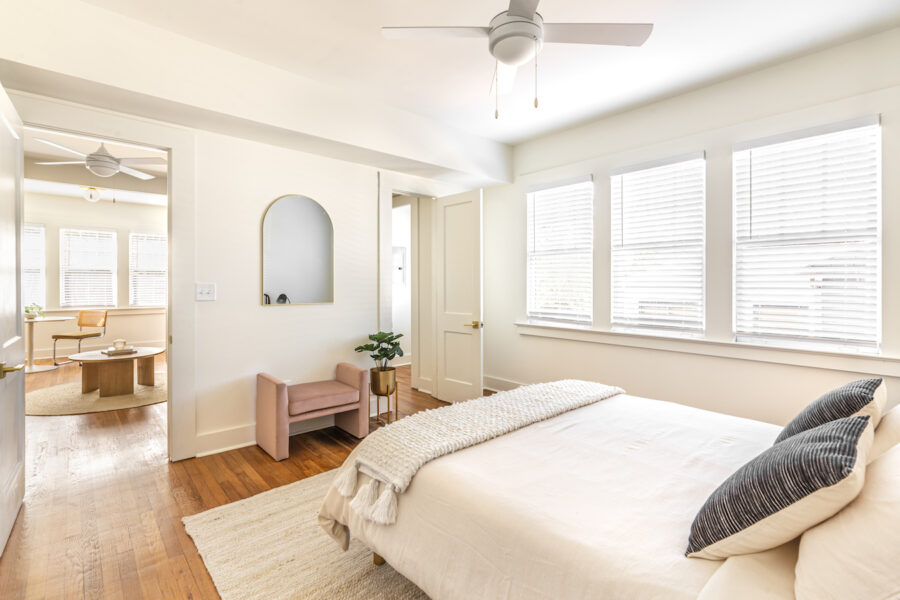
[[103, 505]]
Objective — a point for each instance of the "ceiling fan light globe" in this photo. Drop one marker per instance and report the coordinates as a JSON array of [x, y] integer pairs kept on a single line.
[[92, 194], [102, 165], [514, 40]]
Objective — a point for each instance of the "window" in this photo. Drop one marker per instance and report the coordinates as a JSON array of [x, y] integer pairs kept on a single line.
[[657, 253], [560, 253], [147, 269], [807, 249], [34, 287], [87, 267]]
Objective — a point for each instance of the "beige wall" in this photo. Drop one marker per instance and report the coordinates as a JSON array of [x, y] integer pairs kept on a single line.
[[142, 326], [845, 82]]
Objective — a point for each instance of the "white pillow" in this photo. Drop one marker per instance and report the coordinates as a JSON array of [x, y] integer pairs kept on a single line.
[[887, 435], [854, 553]]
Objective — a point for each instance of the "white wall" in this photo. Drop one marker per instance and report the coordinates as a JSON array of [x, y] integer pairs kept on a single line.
[[141, 326], [401, 276], [236, 336], [857, 79]]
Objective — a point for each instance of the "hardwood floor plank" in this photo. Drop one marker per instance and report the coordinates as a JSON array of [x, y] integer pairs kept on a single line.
[[103, 505]]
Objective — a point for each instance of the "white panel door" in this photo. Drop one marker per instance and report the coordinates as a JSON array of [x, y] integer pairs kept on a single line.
[[458, 286], [12, 349]]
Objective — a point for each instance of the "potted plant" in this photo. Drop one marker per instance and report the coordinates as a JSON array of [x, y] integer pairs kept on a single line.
[[384, 347], [34, 310]]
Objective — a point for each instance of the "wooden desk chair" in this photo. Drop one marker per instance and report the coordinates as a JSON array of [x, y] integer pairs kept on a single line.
[[86, 318]]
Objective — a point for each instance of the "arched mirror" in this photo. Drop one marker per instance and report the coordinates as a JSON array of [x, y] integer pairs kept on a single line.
[[298, 252]]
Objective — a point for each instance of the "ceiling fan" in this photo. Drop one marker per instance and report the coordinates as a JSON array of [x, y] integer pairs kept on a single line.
[[517, 35], [103, 164]]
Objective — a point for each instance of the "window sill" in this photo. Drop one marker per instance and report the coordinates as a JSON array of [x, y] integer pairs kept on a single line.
[[859, 363], [120, 310]]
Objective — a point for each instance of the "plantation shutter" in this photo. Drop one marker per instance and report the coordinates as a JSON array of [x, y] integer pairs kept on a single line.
[[808, 239], [87, 267], [658, 247], [34, 287], [560, 253], [147, 269]]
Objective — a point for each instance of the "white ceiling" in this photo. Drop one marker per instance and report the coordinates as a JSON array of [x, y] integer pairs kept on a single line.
[[338, 43]]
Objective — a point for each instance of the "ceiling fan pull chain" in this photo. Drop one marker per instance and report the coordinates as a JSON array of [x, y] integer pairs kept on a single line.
[[535, 72], [496, 89]]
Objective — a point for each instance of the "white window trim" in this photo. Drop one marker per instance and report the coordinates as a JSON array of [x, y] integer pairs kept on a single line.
[[131, 234], [558, 183], [652, 164], [803, 345], [43, 270], [115, 270]]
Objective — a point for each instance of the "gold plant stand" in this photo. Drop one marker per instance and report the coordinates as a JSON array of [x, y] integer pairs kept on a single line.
[[384, 384]]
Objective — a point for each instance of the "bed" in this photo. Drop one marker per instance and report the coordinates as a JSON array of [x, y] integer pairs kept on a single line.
[[596, 502]]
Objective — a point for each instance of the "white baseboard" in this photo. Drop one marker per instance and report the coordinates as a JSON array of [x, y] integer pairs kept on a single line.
[[499, 384], [213, 442], [63, 350], [241, 436]]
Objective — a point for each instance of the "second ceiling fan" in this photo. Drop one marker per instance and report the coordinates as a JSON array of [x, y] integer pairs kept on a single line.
[[518, 34]]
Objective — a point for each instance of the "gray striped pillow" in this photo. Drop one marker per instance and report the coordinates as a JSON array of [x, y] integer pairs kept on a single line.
[[855, 398], [784, 491]]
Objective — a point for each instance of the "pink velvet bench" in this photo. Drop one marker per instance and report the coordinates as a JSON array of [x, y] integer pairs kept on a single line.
[[278, 405]]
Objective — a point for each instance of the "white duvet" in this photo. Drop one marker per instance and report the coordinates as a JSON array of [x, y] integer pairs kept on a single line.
[[594, 503]]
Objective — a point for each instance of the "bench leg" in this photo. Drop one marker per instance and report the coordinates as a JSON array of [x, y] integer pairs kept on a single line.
[[354, 422]]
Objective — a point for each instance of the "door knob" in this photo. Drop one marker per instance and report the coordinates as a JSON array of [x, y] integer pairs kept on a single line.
[[4, 369], [474, 324]]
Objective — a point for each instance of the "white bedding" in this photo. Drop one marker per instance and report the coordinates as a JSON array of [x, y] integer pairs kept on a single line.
[[594, 503]]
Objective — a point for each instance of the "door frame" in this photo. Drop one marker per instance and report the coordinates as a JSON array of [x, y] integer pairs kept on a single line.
[[390, 183], [49, 113]]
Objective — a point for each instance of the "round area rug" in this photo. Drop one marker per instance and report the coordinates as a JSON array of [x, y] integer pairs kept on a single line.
[[67, 399]]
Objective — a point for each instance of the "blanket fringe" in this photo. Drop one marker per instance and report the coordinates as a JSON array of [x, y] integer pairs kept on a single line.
[[384, 511], [346, 481], [365, 499]]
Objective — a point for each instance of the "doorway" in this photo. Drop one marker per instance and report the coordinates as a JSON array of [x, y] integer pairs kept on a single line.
[[443, 265], [94, 273]]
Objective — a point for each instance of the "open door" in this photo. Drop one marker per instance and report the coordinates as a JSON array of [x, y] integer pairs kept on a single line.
[[12, 348], [458, 285]]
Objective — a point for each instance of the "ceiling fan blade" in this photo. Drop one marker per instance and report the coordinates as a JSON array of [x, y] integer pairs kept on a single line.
[[60, 146], [606, 34], [523, 8], [402, 33], [143, 160], [63, 162], [135, 173]]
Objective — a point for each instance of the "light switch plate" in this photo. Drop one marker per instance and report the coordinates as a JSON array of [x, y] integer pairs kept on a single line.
[[204, 292]]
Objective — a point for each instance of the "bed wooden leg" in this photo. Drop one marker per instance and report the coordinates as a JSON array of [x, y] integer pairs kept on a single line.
[[376, 558]]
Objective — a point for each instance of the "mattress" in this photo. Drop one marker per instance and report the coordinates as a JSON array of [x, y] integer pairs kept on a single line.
[[596, 502]]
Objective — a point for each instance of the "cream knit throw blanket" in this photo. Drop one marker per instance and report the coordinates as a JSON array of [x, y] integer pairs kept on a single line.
[[393, 454]]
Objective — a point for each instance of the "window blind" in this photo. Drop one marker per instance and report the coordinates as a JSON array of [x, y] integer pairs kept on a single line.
[[87, 267], [34, 288], [147, 269], [658, 248], [560, 254], [807, 253]]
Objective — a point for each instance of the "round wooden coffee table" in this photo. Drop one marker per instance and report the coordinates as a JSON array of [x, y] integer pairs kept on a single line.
[[114, 375]]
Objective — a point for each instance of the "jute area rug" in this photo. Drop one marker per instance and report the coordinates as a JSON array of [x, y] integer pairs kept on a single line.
[[67, 399], [270, 546]]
